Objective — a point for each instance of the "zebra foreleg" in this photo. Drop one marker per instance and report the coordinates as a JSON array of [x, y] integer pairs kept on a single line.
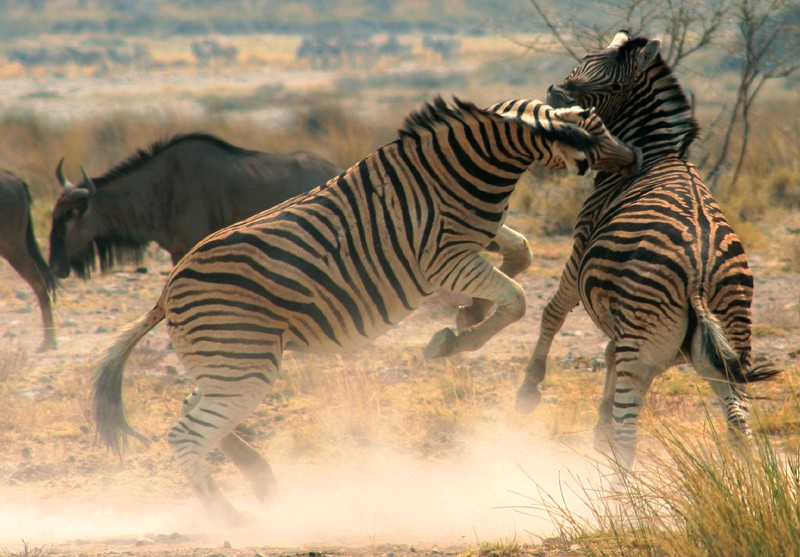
[[477, 277], [516, 254], [208, 420], [603, 430], [555, 312], [254, 467]]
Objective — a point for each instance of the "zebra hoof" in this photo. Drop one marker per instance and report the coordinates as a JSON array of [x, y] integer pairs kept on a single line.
[[527, 399], [442, 344]]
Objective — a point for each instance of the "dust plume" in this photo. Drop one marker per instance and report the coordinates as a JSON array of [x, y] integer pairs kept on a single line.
[[370, 497]]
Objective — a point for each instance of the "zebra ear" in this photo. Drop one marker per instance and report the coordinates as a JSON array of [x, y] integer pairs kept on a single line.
[[647, 54], [619, 39]]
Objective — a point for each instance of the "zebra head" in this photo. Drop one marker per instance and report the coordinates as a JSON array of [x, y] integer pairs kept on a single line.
[[607, 79], [634, 92]]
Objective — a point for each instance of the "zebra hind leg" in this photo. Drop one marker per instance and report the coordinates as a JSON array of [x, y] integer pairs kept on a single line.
[[634, 374], [254, 467], [209, 419]]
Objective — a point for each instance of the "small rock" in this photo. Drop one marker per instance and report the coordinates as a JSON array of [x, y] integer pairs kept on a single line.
[[22, 294], [144, 541]]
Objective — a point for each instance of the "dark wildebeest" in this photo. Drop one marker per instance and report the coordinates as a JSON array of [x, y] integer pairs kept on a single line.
[[175, 193], [18, 246]]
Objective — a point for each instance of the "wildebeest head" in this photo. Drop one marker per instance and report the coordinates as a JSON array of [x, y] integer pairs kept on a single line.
[[72, 246]]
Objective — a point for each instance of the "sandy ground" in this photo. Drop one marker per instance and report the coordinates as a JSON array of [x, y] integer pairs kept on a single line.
[[379, 502]]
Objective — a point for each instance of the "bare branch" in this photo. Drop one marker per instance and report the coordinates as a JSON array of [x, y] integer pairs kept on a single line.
[[554, 30]]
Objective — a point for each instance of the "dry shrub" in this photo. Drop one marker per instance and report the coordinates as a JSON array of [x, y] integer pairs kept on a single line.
[[554, 198], [13, 361]]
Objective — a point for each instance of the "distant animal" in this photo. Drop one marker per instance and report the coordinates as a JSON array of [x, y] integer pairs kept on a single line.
[[175, 193], [655, 263], [331, 269], [19, 247]]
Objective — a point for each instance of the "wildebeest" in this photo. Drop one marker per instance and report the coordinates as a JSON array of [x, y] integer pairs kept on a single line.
[[175, 193], [18, 246]]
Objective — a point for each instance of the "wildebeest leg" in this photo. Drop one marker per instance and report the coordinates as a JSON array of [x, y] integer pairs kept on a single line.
[[477, 277], [35, 273], [516, 253], [555, 312], [220, 407], [250, 463], [177, 256]]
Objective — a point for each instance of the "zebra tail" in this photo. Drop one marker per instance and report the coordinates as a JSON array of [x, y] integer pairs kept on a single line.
[[716, 347], [113, 427]]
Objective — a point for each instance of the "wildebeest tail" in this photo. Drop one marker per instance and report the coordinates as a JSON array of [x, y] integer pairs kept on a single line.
[[718, 351], [113, 427], [47, 276]]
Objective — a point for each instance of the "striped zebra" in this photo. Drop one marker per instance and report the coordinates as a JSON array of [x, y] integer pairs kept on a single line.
[[654, 262], [334, 268]]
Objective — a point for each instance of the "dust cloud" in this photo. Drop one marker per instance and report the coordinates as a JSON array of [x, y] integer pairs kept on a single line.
[[372, 497]]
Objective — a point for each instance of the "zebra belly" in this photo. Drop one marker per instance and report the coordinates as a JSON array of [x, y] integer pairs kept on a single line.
[[240, 316]]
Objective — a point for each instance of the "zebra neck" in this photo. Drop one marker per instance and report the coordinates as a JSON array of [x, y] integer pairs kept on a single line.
[[659, 120]]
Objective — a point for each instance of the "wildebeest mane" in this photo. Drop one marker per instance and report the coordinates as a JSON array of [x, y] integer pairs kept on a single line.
[[143, 156]]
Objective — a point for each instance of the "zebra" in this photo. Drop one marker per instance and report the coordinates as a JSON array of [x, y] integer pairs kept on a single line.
[[654, 261], [333, 268]]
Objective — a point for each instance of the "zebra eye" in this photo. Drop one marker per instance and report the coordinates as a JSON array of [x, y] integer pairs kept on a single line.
[[615, 87]]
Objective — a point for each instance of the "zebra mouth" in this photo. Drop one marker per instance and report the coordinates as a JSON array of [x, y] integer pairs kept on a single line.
[[559, 98]]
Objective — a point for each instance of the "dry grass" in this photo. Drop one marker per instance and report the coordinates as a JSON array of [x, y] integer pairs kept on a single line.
[[691, 496]]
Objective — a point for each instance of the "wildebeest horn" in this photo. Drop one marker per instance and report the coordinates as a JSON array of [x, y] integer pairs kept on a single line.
[[88, 182], [619, 39], [60, 175]]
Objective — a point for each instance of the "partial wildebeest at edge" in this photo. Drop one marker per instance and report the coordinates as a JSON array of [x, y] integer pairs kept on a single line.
[[654, 261], [18, 246], [334, 268], [175, 193]]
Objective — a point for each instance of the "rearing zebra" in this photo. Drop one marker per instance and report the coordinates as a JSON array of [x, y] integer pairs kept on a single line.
[[331, 269], [654, 261]]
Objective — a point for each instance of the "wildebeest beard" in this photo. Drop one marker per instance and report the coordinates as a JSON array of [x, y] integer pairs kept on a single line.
[[111, 251]]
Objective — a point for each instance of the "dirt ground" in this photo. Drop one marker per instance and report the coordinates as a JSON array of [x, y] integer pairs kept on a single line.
[[35, 503]]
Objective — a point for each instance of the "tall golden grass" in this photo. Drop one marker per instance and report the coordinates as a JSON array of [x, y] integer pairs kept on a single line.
[[690, 496]]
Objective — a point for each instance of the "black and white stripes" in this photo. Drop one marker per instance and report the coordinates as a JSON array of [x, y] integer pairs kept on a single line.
[[654, 262], [334, 268]]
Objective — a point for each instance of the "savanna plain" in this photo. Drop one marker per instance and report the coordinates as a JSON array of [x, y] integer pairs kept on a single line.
[[376, 451]]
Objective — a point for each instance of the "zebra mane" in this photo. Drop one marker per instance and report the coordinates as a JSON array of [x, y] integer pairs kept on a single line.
[[143, 156], [671, 94], [437, 113]]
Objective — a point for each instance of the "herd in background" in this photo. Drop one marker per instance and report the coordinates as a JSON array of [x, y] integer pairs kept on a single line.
[[654, 261], [324, 50]]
